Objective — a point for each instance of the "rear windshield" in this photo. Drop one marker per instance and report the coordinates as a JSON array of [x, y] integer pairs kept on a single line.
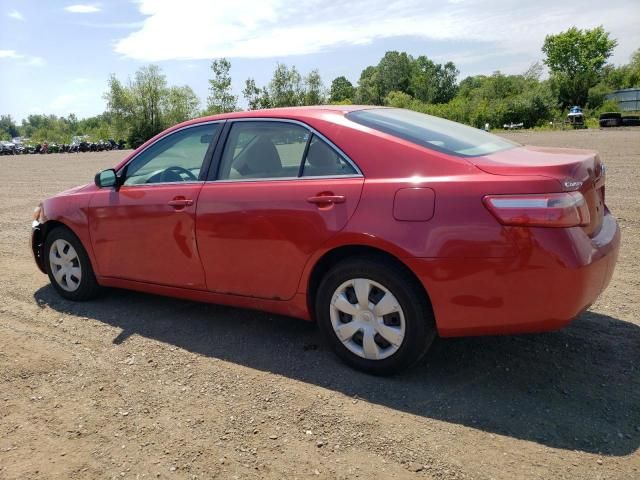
[[431, 132]]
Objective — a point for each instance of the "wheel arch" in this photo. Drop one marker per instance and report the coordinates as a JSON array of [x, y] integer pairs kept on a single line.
[[39, 239], [333, 256]]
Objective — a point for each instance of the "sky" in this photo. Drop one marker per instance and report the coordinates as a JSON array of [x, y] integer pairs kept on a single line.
[[56, 56]]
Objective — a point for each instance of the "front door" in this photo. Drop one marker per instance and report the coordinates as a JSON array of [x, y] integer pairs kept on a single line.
[[145, 231], [280, 193]]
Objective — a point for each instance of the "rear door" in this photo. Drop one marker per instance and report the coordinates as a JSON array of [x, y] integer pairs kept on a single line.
[[280, 192]]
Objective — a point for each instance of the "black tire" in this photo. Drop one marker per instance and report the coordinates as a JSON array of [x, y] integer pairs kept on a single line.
[[420, 329], [608, 115], [610, 119], [88, 287], [630, 121]]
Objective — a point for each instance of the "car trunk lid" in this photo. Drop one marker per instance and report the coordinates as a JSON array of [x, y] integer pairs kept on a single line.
[[574, 169]]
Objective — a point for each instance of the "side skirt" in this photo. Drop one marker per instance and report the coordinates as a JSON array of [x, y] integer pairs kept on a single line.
[[296, 307]]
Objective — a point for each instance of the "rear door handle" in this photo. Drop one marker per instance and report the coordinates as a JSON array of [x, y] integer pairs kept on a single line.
[[180, 202], [326, 199]]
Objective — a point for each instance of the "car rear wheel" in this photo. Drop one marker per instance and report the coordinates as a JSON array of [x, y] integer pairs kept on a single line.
[[68, 266], [375, 315]]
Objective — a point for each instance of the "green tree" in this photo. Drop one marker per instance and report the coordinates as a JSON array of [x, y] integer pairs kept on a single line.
[[369, 91], [286, 88], [256, 97], [399, 100], [146, 105], [534, 72], [8, 127], [394, 72], [149, 88], [576, 59], [221, 99], [341, 90], [314, 91], [120, 104], [181, 104], [432, 82], [632, 77], [624, 76]]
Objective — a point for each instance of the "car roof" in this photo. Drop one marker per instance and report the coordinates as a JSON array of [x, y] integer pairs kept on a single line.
[[315, 111]]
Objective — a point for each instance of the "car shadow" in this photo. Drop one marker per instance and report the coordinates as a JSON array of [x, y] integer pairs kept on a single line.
[[576, 389]]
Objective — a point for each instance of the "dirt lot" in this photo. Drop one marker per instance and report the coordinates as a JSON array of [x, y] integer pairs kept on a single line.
[[137, 386]]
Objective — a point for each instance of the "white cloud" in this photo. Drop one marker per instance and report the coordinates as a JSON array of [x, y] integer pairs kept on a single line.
[[10, 54], [16, 14], [201, 29], [29, 60], [83, 8]]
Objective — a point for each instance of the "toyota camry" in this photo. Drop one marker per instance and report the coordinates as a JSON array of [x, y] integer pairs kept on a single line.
[[385, 226]]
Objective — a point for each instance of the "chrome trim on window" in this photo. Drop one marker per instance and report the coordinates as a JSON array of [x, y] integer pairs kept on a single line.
[[276, 179], [160, 184]]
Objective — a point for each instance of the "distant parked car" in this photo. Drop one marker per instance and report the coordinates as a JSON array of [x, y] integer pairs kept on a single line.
[[385, 226], [7, 148], [511, 126]]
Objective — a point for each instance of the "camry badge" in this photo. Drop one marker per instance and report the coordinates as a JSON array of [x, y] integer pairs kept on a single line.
[[572, 184]]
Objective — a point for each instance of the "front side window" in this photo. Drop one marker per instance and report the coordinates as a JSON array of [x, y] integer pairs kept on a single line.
[[431, 132], [178, 157]]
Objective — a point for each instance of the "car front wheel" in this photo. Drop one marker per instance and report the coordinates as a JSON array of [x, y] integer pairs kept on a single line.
[[375, 315], [68, 266]]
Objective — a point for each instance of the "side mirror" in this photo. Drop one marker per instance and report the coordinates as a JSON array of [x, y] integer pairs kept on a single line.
[[106, 178]]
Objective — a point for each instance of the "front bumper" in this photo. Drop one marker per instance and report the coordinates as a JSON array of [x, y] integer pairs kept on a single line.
[[557, 274], [37, 244]]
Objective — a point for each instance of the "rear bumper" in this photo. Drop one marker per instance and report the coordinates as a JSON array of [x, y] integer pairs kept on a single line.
[[557, 275]]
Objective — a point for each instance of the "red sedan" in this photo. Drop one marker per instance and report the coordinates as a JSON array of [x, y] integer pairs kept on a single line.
[[386, 226]]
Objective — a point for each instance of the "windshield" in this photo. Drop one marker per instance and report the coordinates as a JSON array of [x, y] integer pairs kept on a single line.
[[431, 132]]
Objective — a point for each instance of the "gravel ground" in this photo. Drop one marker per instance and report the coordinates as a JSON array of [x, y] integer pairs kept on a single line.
[[137, 386]]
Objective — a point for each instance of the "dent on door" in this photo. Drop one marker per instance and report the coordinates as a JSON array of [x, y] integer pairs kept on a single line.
[[147, 234]]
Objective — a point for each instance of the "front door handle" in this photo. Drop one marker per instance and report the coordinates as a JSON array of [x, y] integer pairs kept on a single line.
[[180, 202], [326, 199]]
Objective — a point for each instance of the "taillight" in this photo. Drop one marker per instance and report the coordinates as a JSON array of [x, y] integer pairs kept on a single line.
[[567, 209]]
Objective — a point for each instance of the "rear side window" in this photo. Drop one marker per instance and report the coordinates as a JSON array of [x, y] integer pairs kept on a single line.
[[263, 150], [322, 161], [271, 149], [431, 132]]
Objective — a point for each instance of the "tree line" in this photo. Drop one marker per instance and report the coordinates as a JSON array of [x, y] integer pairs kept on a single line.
[[577, 61]]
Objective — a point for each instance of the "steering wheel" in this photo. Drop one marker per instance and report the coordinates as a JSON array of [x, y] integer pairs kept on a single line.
[[172, 174]]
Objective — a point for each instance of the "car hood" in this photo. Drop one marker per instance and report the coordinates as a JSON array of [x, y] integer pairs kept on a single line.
[[78, 189]]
